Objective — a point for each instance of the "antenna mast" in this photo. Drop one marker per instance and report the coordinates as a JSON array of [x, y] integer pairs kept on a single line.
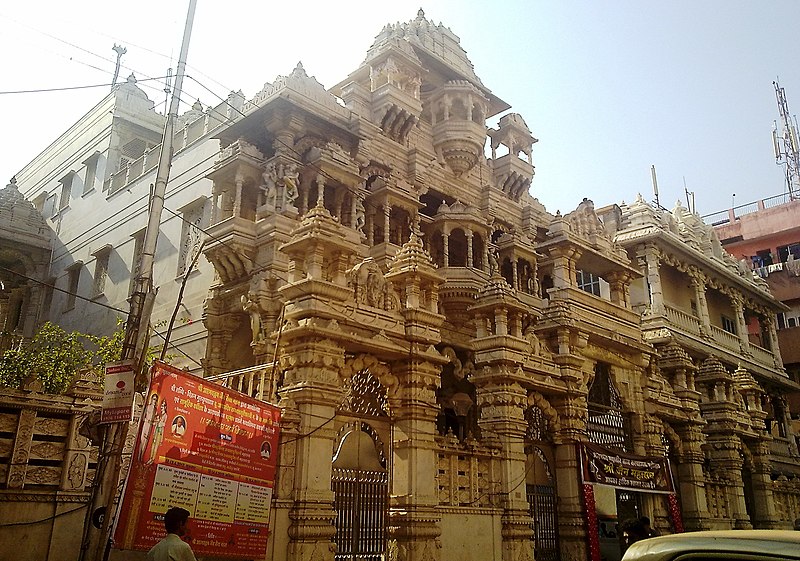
[[785, 144]]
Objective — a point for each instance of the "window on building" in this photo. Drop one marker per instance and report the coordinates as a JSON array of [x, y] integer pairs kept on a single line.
[[588, 282], [101, 257], [792, 322], [50, 202], [136, 262], [66, 189], [90, 177], [728, 325], [785, 250], [194, 220], [73, 282], [762, 258], [781, 321]]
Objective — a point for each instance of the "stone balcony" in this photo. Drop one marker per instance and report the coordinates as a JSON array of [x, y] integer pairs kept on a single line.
[[231, 247], [512, 175], [688, 328]]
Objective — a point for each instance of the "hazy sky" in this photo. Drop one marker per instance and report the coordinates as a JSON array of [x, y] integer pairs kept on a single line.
[[608, 87]]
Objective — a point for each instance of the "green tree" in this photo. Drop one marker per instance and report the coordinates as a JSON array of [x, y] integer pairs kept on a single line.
[[55, 356]]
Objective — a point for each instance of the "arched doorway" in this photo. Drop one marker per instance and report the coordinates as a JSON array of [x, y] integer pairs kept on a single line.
[[360, 483], [360, 475], [541, 486]]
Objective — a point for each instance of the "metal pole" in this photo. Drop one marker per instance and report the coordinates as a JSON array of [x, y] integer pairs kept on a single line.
[[105, 489]]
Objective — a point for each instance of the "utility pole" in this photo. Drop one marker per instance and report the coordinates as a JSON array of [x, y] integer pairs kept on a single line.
[[105, 488], [784, 142], [120, 50]]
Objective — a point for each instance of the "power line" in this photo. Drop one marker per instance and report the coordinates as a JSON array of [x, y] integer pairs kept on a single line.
[[69, 88], [101, 304]]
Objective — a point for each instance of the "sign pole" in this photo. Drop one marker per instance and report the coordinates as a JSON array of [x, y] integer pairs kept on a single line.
[[105, 487]]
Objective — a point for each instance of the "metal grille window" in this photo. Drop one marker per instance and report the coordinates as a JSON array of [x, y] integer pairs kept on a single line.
[[606, 424], [588, 282]]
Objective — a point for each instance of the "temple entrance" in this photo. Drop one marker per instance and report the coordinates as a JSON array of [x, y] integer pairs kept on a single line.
[[541, 491], [360, 483]]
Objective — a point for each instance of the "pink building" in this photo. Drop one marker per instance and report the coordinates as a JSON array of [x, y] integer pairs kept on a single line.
[[766, 235]]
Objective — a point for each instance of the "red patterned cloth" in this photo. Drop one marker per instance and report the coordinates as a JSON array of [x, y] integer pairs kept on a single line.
[[675, 513], [591, 522]]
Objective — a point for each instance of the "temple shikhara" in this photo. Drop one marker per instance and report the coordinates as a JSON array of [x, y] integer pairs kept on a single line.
[[462, 374]]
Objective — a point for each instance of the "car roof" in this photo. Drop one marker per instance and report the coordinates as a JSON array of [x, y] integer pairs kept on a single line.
[[768, 542]]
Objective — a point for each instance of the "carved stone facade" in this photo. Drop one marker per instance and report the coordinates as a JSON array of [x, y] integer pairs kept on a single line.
[[485, 329], [442, 346], [47, 464]]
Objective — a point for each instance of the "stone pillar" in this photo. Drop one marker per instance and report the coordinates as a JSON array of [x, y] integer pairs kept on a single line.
[[320, 190], [371, 227], [237, 201], [22, 449], [76, 457], [698, 282], [414, 520], [445, 248], [765, 515], [312, 389], [215, 208], [773, 340], [727, 461], [741, 323], [651, 259], [572, 526], [690, 478], [655, 504], [485, 256], [387, 213], [469, 247], [502, 414], [5, 306], [305, 187], [619, 288], [563, 267], [514, 276]]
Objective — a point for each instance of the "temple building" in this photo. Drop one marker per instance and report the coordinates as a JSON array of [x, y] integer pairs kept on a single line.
[[463, 375]]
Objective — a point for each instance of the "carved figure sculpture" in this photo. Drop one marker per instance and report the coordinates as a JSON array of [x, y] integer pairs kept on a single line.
[[290, 180], [270, 186], [255, 317]]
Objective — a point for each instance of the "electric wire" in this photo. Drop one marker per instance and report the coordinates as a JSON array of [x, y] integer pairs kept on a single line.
[[101, 304], [70, 88]]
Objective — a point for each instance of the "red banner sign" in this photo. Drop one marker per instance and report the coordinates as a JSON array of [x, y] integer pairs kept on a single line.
[[625, 471], [209, 450]]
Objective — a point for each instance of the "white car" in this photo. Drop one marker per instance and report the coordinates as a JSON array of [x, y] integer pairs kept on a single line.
[[730, 545]]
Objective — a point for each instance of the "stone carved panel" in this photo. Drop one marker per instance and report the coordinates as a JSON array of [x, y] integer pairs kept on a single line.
[[51, 426]]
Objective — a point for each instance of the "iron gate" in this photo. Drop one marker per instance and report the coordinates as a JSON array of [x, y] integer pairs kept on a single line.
[[361, 503], [542, 501]]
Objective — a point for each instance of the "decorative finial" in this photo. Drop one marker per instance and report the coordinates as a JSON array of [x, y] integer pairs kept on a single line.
[[131, 79], [197, 106], [421, 14], [13, 183]]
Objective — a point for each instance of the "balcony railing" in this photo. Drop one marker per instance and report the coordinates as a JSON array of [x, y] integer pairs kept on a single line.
[[686, 322], [254, 381], [728, 340], [762, 355]]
